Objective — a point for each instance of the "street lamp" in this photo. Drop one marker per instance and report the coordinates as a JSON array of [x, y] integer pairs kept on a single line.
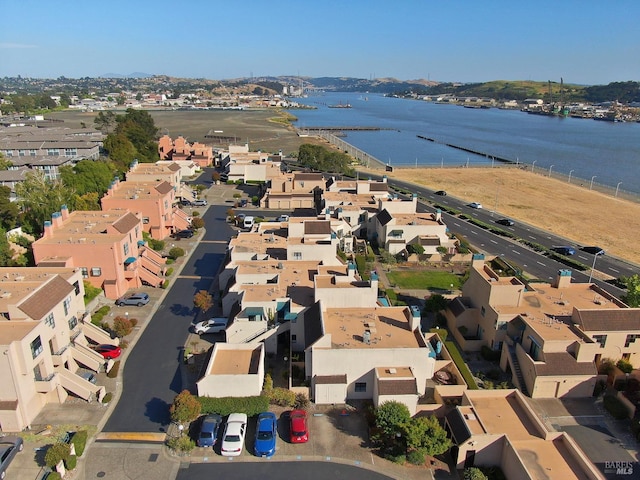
[[617, 187], [533, 165], [570, 172], [591, 186], [593, 266], [550, 169]]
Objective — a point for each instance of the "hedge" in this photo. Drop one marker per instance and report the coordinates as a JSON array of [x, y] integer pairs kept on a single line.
[[79, 440], [442, 333], [70, 462], [54, 476], [113, 373], [462, 366], [97, 317], [226, 405]]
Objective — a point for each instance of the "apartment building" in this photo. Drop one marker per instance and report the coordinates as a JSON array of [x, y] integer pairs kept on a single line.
[[181, 150], [289, 191], [152, 172], [106, 246], [551, 336], [44, 338], [153, 201]]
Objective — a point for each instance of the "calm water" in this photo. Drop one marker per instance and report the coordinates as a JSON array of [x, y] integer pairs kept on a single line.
[[610, 151]]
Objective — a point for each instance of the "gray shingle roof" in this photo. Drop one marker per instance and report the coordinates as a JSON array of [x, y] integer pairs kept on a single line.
[[623, 319], [46, 298]]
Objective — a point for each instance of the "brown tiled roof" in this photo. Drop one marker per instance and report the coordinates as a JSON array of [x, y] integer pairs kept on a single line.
[[164, 187], [317, 227], [126, 223], [623, 319], [174, 167], [46, 298], [308, 176], [331, 379], [563, 364], [457, 307], [397, 387], [383, 217], [378, 187]]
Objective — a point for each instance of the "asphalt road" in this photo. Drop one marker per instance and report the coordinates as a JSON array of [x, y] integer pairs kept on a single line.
[[276, 470], [152, 378]]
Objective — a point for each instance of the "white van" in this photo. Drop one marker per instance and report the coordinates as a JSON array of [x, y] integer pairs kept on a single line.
[[247, 223]]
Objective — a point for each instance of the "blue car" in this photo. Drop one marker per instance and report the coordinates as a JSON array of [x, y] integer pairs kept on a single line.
[[209, 430], [564, 250], [266, 434]]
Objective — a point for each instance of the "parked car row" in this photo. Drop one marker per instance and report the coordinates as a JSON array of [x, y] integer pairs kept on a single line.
[[196, 203], [235, 429]]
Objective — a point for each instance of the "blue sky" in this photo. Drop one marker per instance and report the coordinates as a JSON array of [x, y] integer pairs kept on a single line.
[[582, 41]]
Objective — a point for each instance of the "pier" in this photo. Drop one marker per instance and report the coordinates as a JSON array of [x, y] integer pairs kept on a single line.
[[469, 150], [361, 156]]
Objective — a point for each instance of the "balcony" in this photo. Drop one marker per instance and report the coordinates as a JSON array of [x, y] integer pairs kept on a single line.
[[59, 357], [46, 385]]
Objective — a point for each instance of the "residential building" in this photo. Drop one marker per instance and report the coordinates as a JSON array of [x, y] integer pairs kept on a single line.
[[153, 201], [152, 172], [30, 141], [44, 338], [181, 150], [233, 371], [289, 191], [499, 428], [107, 247]]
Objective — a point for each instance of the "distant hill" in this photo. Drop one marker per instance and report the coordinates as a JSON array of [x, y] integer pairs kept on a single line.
[[131, 75]]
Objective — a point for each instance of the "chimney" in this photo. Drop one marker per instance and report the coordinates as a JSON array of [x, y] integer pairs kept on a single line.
[[65, 212], [415, 317], [477, 261], [373, 281], [56, 219], [48, 229], [563, 279], [438, 215]]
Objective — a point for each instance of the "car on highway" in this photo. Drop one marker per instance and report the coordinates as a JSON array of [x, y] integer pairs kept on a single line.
[[200, 203], [475, 205], [108, 352], [442, 193], [593, 250], [209, 430], [564, 250], [507, 222], [299, 433], [9, 448], [138, 299], [183, 234], [213, 325], [266, 435], [233, 437]]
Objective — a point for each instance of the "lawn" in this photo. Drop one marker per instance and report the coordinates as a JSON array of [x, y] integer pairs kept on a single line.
[[424, 279]]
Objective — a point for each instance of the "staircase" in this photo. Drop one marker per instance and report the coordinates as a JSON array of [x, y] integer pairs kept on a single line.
[[515, 366]]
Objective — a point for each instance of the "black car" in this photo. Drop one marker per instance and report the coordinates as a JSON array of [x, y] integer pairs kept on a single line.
[[442, 193], [185, 203], [593, 250], [506, 222], [184, 234]]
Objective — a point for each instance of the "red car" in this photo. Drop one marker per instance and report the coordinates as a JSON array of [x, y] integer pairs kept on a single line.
[[108, 351], [298, 423]]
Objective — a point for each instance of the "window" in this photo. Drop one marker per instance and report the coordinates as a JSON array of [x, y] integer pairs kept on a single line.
[[294, 338], [32, 153], [70, 152], [49, 321], [21, 153], [36, 347], [145, 220], [85, 272], [601, 339], [361, 387], [96, 271], [76, 287], [126, 249], [631, 338], [483, 311], [67, 305], [297, 255], [73, 321], [53, 152]]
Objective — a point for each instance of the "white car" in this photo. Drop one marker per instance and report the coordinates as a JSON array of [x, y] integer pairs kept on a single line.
[[475, 205], [233, 437], [213, 325], [282, 218]]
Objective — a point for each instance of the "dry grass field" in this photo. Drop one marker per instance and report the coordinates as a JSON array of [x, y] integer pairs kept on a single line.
[[586, 217]]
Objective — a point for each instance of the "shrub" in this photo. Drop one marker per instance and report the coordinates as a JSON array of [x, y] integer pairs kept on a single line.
[[225, 405], [170, 261], [197, 223], [473, 473], [400, 459], [181, 444], [625, 366], [416, 457], [168, 272], [90, 292], [185, 407], [301, 401], [165, 284], [464, 370], [113, 373], [615, 407], [442, 333], [195, 213], [107, 397], [489, 354], [282, 397], [54, 476], [156, 245], [55, 453], [79, 440], [175, 253], [70, 462], [255, 200], [99, 314], [268, 383]]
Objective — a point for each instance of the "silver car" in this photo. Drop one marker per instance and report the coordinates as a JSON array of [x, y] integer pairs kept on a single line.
[[9, 447]]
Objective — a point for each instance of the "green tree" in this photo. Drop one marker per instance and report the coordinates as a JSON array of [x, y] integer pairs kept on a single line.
[[175, 253], [9, 211], [391, 417], [55, 453], [123, 326], [185, 408], [105, 121], [120, 150], [203, 300], [5, 162], [473, 473], [632, 297], [89, 176], [6, 254], [87, 202], [39, 198], [426, 434], [197, 222], [435, 303]]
